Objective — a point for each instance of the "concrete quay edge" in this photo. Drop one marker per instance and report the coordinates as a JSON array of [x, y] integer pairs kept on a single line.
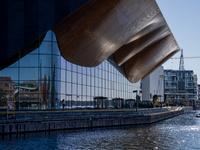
[[101, 120]]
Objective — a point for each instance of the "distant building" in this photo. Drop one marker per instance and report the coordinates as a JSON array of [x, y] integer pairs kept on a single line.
[[153, 85], [181, 96], [198, 101]]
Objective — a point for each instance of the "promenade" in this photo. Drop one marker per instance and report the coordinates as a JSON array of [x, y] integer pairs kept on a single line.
[[31, 121]]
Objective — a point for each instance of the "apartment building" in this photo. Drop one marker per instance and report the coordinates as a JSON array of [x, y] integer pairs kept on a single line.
[[172, 90]]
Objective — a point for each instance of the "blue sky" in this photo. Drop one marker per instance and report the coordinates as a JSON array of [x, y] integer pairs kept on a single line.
[[183, 18]]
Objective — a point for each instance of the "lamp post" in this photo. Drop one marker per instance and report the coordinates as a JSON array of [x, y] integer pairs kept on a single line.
[[135, 91]]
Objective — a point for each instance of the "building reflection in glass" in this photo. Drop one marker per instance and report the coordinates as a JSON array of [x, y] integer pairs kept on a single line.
[[43, 78]]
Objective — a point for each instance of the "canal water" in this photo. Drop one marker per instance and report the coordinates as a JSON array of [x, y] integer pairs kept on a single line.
[[181, 132]]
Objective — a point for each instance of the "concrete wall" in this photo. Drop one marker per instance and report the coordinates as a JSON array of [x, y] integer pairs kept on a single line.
[[87, 121], [153, 85]]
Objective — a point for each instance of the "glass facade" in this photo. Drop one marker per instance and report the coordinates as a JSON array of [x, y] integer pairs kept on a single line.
[[41, 79]]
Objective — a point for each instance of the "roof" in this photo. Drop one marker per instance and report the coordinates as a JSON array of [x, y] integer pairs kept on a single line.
[[134, 31]]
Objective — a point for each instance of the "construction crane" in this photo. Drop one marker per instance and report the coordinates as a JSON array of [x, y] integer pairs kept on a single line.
[[192, 57], [181, 79]]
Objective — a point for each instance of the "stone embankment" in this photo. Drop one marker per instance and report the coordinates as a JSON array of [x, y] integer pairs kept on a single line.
[[73, 119]]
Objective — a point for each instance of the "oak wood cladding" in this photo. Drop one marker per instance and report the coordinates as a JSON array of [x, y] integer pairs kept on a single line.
[[134, 31]]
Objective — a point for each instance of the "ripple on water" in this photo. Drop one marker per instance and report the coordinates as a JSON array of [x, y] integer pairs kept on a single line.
[[181, 132]]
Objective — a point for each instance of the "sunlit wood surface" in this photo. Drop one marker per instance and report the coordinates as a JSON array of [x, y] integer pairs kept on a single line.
[[134, 31]]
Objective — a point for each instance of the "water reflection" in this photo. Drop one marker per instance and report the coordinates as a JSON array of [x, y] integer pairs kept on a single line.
[[182, 132]]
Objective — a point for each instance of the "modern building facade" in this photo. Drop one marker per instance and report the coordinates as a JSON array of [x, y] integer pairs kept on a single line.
[[41, 79], [190, 83], [153, 85], [101, 50], [23, 21]]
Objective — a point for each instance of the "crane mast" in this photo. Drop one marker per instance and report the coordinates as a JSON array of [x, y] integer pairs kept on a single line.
[[181, 79]]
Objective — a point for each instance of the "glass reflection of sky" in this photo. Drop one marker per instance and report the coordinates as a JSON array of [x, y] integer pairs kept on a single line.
[[82, 82]]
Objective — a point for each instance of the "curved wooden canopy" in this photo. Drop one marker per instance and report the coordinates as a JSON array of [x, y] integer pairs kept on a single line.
[[134, 31]]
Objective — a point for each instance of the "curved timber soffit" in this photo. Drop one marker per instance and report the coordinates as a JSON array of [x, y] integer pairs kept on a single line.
[[133, 31]]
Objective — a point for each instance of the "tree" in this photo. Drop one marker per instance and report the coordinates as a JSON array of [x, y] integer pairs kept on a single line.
[[2, 97]]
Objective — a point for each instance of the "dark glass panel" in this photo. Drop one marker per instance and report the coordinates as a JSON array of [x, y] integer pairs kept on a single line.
[[28, 96], [35, 52], [28, 74], [45, 61], [14, 65], [46, 48], [55, 49], [29, 61], [56, 61], [10, 72]]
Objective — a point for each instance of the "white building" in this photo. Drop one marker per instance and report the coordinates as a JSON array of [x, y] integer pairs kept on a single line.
[[153, 84]]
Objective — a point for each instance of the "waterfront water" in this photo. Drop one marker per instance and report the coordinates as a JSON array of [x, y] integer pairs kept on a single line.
[[181, 132]]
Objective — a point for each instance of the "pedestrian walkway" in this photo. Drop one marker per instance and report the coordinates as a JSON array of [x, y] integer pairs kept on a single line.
[[62, 114]]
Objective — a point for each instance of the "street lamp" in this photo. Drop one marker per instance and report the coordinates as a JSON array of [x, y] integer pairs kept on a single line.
[[135, 91]]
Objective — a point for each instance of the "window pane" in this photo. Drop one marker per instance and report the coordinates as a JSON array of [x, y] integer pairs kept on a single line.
[[74, 77], [63, 75], [29, 74], [29, 61], [69, 77], [79, 79], [10, 72], [84, 79], [62, 87], [74, 89]]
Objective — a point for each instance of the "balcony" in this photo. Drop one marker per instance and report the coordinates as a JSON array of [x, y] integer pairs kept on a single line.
[[190, 87], [170, 87]]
